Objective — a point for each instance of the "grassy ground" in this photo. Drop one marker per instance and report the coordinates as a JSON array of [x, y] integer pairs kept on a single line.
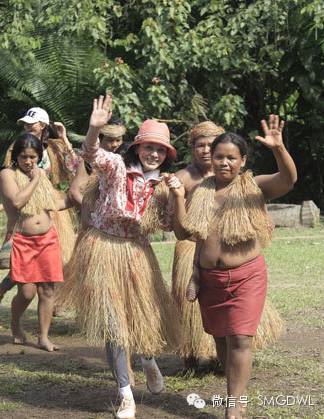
[[76, 383]]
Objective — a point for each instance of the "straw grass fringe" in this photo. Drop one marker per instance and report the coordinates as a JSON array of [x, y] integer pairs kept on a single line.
[[117, 290], [43, 197], [90, 196], [66, 233], [241, 218], [194, 341], [204, 129], [157, 215], [57, 150], [270, 328], [7, 160], [91, 192]]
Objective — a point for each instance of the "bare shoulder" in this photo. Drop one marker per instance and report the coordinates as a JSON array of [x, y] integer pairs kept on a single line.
[[187, 174], [7, 173], [182, 174], [8, 182]]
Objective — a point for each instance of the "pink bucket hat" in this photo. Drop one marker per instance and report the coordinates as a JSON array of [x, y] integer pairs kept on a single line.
[[152, 131]]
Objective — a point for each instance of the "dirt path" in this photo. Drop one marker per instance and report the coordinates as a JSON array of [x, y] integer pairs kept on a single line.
[[75, 382]]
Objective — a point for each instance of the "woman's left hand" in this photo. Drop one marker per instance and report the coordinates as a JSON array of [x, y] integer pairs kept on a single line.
[[61, 131], [272, 132], [174, 184]]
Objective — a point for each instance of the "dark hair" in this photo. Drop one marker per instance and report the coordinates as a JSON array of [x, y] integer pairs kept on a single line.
[[130, 157], [26, 141], [88, 168], [49, 131], [112, 121], [102, 136], [122, 149], [115, 121], [230, 137]]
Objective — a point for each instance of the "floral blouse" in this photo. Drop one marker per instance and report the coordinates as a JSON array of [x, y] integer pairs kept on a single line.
[[123, 193]]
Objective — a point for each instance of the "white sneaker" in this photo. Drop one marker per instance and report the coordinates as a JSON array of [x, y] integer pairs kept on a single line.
[[154, 378], [127, 408]]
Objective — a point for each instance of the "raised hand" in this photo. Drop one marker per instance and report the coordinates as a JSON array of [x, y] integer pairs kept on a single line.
[[101, 111], [61, 131], [272, 132]]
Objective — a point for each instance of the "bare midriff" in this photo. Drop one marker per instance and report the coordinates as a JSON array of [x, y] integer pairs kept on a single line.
[[31, 226], [214, 255]]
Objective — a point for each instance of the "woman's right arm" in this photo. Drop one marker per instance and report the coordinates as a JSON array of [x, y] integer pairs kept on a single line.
[[109, 164], [78, 184], [10, 191]]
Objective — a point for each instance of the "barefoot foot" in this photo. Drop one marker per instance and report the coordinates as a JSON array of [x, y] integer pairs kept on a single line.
[[233, 413], [47, 345], [18, 336], [243, 409]]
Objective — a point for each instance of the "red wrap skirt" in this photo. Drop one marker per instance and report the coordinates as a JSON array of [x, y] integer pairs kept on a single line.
[[36, 258], [231, 300]]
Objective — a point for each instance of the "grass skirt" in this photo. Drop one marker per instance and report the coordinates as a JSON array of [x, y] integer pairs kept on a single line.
[[116, 287], [65, 231], [194, 341], [270, 328]]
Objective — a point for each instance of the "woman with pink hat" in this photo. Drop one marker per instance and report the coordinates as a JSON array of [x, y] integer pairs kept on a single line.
[[114, 281]]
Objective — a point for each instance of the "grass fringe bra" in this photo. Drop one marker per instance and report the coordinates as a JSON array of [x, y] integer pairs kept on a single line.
[[43, 197], [157, 213], [241, 218]]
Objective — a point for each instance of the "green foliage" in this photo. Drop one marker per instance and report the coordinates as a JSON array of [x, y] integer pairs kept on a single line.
[[233, 62], [27, 23], [63, 186], [60, 78]]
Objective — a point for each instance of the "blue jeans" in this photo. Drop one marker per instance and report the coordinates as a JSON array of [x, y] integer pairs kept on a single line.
[[117, 360]]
